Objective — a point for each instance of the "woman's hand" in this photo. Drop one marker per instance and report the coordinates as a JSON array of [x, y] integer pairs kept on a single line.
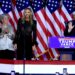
[[15, 46], [71, 27], [34, 47]]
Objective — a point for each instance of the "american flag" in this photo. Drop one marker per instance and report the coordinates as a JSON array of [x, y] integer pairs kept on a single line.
[[53, 22], [50, 19], [53, 17], [6, 7], [39, 13], [67, 9], [19, 8]]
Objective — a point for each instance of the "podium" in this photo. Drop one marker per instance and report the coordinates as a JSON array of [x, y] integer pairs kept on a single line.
[[66, 54], [65, 46]]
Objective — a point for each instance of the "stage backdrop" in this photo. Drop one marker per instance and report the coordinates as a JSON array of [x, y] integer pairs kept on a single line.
[[50, 16]]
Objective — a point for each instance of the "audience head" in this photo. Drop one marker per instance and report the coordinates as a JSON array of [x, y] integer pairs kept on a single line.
[[5, 19]]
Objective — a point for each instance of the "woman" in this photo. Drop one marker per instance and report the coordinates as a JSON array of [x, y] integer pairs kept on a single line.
[[70, 32], [70, 29], [6, 39], [26, 35]]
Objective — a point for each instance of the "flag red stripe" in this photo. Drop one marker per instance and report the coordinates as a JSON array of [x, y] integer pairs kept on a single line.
[[47, 55], [61, 26], [12, 23], [15, 18], [51, 53], [48, 34], [56, 19], [38, 50], [57, 51], [20, 13], [41, 58], [40, 22], [44, 15], [64, 15], [52, 26], [41, 40]]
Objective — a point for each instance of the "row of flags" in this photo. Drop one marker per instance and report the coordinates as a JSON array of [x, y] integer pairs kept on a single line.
[[50, 16]]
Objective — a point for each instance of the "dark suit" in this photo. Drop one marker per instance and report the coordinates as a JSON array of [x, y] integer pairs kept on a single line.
[[25, 39], [69, 34]]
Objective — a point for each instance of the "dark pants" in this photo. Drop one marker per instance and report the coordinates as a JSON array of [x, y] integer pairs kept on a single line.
[[7, 54], [21, 55]]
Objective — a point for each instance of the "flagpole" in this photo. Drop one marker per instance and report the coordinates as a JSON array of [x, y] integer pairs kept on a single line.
[[24, 58]]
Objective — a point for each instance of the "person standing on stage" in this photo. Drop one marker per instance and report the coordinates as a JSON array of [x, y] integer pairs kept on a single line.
[[25, 38], [6, 39]]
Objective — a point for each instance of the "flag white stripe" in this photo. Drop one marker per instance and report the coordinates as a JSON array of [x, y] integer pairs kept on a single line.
[[42, 18], [11, 15], [54, 52], [41, 33], [17, 13], [53, 21], [62, 20], [58, 15], [66, 13], [1, 12], [50, 29], [40, 45]]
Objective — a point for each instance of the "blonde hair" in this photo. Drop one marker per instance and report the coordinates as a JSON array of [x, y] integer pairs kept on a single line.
[[30, 17]]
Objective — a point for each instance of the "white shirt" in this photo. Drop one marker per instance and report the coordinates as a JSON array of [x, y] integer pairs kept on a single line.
[[6, 43]]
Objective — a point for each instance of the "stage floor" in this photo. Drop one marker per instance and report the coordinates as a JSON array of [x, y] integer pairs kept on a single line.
[[36, 67]]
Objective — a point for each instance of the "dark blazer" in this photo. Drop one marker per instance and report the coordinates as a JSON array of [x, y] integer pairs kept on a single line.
[[25, 38], [70, 34], [20, 31]]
